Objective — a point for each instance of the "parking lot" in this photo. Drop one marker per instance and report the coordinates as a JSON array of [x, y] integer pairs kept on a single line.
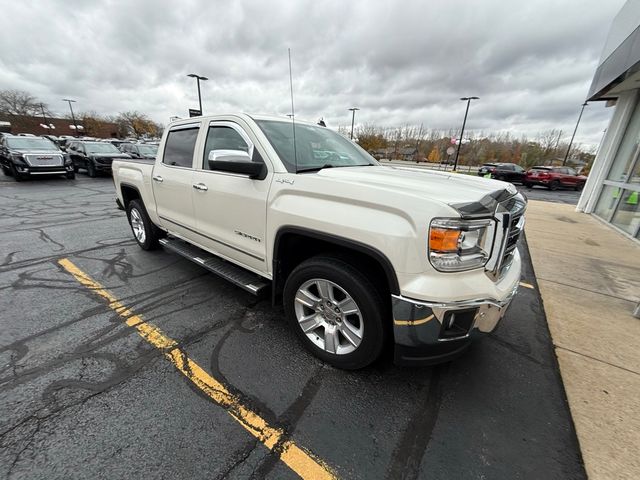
[[85, 394]]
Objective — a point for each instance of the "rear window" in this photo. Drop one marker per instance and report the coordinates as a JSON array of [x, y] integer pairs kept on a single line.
[[180, 146], [541, 169]]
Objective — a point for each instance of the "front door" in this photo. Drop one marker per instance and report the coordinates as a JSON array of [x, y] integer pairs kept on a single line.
[[173, 181], [230, 208]]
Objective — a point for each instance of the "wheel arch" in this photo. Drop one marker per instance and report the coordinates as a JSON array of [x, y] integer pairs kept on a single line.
[[301, 243]]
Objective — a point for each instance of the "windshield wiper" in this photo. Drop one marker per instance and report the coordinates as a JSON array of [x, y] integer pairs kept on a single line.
[[326, 165], [314, 169]]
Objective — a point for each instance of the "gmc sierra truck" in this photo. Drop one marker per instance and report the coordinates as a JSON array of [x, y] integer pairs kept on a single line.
[[360, 255]]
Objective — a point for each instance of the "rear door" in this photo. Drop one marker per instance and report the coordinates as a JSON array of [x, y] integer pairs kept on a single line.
[[231, 208], [172, 181]]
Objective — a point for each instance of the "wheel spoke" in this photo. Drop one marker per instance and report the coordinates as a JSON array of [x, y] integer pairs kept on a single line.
[[350, 333], [330, 340], [324, 288], [348, 306], [306, 298], [310, 322]]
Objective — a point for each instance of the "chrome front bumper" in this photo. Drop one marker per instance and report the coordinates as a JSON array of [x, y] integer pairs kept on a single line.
[[428, 332]]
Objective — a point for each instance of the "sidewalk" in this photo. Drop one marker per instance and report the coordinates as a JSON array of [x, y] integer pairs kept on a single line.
[[589, 280]]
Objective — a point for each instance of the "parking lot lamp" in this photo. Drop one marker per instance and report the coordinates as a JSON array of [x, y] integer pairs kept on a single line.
[[566, 155], [198, 78], [72, 115], [464, 122], [353, 118]]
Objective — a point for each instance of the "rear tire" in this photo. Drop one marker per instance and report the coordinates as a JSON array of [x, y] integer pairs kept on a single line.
[[144, 231], [528, 185], [554, 185], [579, 187], [340, 309]]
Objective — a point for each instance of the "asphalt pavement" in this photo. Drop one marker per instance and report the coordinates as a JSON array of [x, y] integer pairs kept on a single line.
[[83, 395]]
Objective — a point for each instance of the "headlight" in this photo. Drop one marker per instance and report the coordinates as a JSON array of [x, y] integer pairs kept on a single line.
[[456, 245]]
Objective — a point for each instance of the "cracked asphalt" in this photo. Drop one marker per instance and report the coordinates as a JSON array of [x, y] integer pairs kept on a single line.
[[83, 396]]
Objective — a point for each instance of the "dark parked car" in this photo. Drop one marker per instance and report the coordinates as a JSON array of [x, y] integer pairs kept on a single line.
[[95, 157], [554, 178], [22, 157], [139, 150], [509, 172]]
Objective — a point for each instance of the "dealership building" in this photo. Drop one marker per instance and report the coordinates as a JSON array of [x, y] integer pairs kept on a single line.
[[613, 187]]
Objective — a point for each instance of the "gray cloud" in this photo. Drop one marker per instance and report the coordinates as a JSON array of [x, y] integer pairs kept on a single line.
[[401, 63]]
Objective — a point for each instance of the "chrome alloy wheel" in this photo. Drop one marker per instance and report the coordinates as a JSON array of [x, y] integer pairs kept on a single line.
[[328, 316], [138, 225]]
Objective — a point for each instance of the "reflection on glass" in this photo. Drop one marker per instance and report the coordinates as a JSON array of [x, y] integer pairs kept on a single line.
[[629, 148], [607, 202], [627, 216]]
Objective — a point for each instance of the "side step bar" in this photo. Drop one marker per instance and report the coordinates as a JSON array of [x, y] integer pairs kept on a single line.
[[249, 281]]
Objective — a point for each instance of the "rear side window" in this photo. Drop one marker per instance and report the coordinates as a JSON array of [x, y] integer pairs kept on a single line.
[[179, 148]]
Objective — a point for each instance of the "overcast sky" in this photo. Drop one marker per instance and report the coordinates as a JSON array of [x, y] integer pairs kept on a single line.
[[531, 63]]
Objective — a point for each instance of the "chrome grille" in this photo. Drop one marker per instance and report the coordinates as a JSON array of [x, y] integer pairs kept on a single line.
[[510, 224], [44, 160]]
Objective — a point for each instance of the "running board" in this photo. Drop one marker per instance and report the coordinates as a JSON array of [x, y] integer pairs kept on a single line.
[[245, 279]]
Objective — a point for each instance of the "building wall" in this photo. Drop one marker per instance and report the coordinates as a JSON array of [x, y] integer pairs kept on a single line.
[[31, 124]]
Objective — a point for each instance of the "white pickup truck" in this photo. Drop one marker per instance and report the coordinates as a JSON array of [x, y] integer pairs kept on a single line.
[[360, 254]]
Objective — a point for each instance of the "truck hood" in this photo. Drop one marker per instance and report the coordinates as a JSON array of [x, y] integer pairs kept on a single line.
[[26, 151], [453, 189]]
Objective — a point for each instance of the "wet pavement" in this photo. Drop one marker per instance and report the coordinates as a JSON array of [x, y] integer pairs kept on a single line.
[[82, 395]]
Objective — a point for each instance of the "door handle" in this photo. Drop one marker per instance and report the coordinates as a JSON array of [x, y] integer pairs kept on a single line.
[[158, 178], [200, 186]]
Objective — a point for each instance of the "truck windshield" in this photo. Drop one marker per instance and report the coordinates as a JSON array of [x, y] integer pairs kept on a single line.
[[101, 148], [30, 143], [316, 147]]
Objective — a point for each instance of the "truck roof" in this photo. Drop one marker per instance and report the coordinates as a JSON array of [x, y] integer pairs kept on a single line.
[[245, 116]]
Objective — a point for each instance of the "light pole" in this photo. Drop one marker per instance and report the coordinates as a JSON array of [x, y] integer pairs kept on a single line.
[[44, 118], [198, 78], [353, 118], [566, 155], [464, 122], [72, 116]]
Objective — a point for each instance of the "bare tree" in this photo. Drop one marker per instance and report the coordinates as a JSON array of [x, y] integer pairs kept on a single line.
[[136, 123], [18, 102]]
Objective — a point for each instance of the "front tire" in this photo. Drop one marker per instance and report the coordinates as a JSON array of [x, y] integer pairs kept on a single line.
[[70, 175], [6, 170], [144, 231], [336, 312], [91, 169], [579, 187], [18, 177], [554, 185]]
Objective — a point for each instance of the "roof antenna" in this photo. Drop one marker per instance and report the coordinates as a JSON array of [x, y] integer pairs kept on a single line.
[[293, 115]]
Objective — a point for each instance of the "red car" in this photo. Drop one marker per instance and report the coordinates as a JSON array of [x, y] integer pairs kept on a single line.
[[554, 178]]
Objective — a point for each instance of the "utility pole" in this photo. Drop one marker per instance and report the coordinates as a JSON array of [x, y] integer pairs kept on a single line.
[[72, 115], [353, 119], [464, 122], [566, 155], [198, 78]]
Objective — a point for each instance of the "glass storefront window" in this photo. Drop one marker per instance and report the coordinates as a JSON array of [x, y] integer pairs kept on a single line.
[[627, 216], [607, 202], [628, 151]]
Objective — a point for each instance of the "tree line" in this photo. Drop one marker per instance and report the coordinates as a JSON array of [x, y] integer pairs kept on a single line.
[[431, 145], [16, 103]]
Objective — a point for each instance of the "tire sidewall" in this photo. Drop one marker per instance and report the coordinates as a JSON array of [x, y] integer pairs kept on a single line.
[[363, 292], [151, 238], [91, 169]]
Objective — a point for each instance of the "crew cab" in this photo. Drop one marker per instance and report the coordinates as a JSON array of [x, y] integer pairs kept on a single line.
[[95, 157], [360, 255], [555, 177], [24, 156]]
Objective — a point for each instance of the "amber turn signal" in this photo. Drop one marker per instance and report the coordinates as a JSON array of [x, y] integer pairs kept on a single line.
[[443, 239]]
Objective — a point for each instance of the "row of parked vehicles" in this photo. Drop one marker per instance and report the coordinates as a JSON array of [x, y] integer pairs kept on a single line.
[[23, 156], [546, 176]]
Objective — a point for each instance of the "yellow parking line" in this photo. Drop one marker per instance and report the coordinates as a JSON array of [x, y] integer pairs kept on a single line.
[[297, 458], [527, 285]]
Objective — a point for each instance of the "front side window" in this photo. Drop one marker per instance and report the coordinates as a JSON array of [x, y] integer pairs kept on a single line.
[[180, 146], [315, 147], [98, 147]]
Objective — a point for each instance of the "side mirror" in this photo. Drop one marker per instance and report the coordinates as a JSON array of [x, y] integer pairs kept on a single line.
[[236, 161]]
